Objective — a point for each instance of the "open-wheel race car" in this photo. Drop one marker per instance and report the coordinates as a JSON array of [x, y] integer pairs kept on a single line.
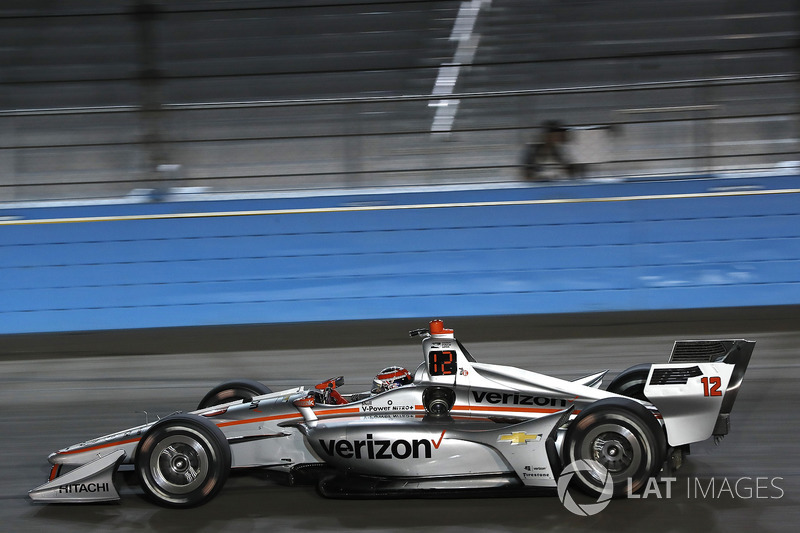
[[453, 425]]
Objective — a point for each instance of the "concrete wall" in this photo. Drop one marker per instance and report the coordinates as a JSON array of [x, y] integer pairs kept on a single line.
[[561, 248]]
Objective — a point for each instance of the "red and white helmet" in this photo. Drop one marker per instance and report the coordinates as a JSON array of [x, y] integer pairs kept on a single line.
[[390, 378]]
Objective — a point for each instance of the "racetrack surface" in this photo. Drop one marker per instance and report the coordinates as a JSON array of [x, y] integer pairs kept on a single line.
[[749, 482]]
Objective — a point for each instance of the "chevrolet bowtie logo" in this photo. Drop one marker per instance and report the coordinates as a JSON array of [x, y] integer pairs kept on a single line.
[[519, 437]]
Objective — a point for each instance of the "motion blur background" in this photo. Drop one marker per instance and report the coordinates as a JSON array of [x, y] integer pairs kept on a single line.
[[331, 119], [100, 98]]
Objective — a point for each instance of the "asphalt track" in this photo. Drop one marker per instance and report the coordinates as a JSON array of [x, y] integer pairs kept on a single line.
[[53, 396]]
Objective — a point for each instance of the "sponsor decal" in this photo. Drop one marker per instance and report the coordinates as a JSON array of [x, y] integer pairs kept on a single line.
[[368, 407], [536, 472], [76, 488], [519, 437], [372, 448], [517, 398], [383, 416], [385, 408]]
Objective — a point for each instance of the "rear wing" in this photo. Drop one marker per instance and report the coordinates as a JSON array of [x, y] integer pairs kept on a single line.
[[696, 390], [733, 352]]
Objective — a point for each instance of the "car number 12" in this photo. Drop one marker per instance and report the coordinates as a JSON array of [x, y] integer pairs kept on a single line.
[[711, 386]]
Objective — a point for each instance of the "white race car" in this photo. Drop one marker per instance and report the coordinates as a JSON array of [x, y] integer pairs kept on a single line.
[[453, 425]]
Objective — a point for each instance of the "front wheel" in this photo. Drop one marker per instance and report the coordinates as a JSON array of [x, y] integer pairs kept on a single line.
[[230, 391], [183, 461], [622, 438]]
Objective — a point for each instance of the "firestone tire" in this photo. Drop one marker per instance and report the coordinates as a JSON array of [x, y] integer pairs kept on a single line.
[[230, 391], [622, 436], [183, 461]]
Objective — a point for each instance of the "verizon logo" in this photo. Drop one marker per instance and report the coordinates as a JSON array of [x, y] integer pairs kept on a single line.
[[517, 398], [372, 448]]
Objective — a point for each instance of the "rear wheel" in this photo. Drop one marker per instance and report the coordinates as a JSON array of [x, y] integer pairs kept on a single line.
[[621, 437], [630, 382], [183, 461], [231, 391]]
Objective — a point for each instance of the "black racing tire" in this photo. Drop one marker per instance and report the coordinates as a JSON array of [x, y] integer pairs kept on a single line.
[[622, 436], [230, 391], [631, 381], [182, 461]]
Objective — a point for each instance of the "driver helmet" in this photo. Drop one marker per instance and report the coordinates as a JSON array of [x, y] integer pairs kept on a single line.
[[390, 378]]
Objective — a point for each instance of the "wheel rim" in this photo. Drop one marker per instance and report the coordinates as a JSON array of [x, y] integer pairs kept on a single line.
[[179, 464], [614, 447], [614, 451]]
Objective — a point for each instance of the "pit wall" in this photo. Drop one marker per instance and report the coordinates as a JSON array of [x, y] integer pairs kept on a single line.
[[194, 260]]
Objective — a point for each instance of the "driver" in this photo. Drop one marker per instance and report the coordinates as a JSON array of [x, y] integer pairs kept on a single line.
[[391, 378]]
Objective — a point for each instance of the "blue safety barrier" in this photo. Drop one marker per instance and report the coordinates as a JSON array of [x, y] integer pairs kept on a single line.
[[556, 248]]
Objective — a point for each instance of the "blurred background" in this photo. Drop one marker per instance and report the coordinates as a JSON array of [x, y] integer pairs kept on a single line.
[[101, 98], [156, 125]]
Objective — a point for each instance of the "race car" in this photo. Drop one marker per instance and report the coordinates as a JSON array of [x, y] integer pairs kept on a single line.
[[453, 425]]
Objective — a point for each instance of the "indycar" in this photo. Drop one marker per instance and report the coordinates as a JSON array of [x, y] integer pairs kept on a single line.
[[454, 425]]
